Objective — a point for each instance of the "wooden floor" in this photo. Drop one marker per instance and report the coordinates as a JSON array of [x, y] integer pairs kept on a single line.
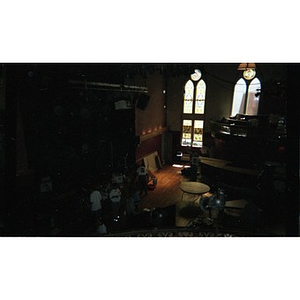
[[167, 190], [167, 193]]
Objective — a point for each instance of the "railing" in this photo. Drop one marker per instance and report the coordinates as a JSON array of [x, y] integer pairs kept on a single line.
[[187, 232]]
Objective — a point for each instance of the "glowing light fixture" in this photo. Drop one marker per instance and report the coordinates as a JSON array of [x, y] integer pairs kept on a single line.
[[196, 75], [249, 70]]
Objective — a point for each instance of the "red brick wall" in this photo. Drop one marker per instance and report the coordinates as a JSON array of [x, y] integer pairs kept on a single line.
[[149, 146]]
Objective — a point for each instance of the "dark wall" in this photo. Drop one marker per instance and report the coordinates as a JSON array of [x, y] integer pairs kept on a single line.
[[2, 134], [274, 78], [73, 132], [153, 116]]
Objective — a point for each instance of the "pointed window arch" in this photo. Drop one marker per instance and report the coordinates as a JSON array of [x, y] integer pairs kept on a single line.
[[253, 97], [246, 97], [200, 97], [239, 97], [188, 97]]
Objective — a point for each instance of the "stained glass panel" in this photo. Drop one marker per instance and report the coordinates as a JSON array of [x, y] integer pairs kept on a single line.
[[188, 98], [200, 97], [186, 133], [198, 133]]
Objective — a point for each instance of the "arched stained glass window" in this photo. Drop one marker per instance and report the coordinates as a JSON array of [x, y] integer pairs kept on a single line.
[[188, 97], [200, 97], [193, 111], [239, 97], [252, 101]]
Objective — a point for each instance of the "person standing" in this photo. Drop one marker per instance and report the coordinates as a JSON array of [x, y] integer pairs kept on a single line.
[[96, 206], [194, 158], [115, 196], [142, 179], [131, 208]]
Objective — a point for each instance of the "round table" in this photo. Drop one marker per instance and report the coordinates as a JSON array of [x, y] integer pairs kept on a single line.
[[194, 188]]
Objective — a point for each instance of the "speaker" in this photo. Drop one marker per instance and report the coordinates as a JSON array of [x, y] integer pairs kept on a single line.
[[143, 101]]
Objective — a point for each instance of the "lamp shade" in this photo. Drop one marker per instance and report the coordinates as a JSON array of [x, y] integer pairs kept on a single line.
[[245, 66]]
